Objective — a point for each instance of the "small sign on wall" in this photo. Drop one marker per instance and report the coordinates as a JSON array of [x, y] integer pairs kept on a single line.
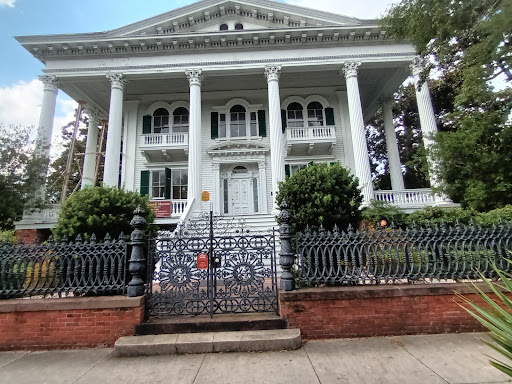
[[162, 208], [205, 196], [202, 261]]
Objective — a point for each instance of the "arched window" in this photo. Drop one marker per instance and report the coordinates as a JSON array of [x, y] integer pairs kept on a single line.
[[315, 114], [223, 27], [237, 125], [161, 121], [239, 26], [294, 116], [180, 120]]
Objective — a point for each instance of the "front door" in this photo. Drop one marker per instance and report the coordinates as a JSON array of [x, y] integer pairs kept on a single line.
[[240, 191]]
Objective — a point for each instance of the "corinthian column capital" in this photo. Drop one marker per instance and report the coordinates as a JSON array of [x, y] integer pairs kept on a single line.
[[93, 114], [350, 69], [272, 72], [117, 80], [194, 76], [50, 83]]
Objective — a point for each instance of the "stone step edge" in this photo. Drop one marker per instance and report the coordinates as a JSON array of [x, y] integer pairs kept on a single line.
[[208, 342]]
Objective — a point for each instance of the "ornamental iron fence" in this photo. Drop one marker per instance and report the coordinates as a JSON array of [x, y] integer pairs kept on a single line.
[[63, 268], [394, 255]]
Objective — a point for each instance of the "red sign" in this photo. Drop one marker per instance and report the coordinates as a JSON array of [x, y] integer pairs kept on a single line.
[[202, 261], [162, 208]]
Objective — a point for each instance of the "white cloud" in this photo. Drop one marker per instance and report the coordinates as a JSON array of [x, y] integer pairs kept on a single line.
[[20, 104], [7, 3], [362, 9]]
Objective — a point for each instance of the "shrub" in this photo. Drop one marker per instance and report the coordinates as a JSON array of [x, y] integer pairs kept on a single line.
[[7, 237], [495, 216], [437, 215], [321, 194], [380, 210], [99, 210]]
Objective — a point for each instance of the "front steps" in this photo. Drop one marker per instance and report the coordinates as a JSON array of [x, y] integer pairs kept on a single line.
[[209, 342], [205, 323]]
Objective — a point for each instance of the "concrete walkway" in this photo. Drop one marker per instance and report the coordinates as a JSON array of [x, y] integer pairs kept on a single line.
[[451, 358]]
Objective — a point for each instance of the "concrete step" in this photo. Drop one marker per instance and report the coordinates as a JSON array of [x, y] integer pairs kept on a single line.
[[204, 323], [210, 342]]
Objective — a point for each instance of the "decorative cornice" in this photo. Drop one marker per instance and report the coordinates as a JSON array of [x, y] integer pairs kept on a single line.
[[50, 82], [272, 72], [350, 69], [93, 114], [194, 76], [117, 80], [405, 55]]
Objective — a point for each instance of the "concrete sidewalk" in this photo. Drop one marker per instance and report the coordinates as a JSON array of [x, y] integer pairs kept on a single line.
[[450, 358]]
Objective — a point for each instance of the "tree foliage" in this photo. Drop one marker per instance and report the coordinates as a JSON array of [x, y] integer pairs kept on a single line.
[[322, 194], [99, 211], [21, 174]]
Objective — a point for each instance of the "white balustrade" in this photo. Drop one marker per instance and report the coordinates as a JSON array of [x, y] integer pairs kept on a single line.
[[407, 198], [163, 140], [311, 133], [178, 207]]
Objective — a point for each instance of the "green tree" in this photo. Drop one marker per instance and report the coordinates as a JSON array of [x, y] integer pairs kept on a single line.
[[21, 174], [99, 211], [322, 194]]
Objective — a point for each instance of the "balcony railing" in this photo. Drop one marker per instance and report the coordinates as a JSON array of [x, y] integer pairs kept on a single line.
[[163, 140], [311, 133], [407, 198], [178, 207]]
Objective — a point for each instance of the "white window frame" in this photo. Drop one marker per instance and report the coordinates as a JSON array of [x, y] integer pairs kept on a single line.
[[225, 112]]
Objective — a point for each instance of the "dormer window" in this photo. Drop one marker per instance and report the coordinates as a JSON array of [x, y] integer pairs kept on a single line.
[[224, 27], [239, 26]]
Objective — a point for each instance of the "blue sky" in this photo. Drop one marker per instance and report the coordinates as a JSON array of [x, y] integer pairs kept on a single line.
[[21, 92]]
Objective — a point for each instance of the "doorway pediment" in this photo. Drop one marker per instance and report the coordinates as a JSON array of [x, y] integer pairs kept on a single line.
[[237, 149]]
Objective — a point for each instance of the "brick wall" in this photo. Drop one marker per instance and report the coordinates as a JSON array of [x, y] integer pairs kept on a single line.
[[83, 322], [377, 310], [31, 236]]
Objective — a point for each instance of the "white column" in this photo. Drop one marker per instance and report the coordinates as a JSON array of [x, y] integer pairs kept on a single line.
[[263, 186], [428, 125], [115, 130], [130, 140], [217, 188], [91, 148], [272, 73], [195, 78], [395, 168], [361, 157]]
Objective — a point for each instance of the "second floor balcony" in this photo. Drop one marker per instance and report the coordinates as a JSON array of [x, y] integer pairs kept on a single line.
[[164, 146], [310, 140]]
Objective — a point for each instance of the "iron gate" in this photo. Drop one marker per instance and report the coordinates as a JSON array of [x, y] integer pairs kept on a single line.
[[239, 274]]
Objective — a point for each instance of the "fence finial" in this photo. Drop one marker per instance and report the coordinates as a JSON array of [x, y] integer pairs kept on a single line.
[[137, 263], [286, 256]]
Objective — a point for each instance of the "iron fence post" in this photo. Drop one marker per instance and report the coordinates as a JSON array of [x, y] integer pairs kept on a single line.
[[286, 256], [137, 262]]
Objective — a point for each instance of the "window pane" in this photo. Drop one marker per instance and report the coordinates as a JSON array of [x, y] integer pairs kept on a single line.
[[254, 124], [222, 125]]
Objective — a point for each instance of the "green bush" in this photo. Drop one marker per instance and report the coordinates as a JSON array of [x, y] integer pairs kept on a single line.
[[7, 237], [99, 210], [437, 215], [495, 216], [322, 194], [380, 210]]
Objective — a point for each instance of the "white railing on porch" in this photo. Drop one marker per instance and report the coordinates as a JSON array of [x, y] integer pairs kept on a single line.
[[178, 207], [164, 140], [407, 198], [311, 133]]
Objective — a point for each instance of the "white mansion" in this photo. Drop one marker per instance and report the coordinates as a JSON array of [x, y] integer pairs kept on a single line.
[[228, 97]]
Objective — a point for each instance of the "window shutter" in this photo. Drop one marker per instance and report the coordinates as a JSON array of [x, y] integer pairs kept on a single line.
[[262, 123], [283, 119], [167, 183], [215, 125], [287, 170], [144, 183], [329, 116], [146, 124]]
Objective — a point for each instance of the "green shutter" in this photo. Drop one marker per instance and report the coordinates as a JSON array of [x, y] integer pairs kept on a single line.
[[144, 183], [146, 124], [215, 125], [167, 183], [283, 119], [262, 123], [287, 170], [329, 116]]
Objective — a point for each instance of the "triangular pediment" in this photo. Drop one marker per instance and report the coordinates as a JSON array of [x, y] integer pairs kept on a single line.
[[207, 16]]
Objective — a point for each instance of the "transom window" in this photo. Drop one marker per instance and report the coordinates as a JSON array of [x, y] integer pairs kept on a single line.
[[238, 123], [161, 121]]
